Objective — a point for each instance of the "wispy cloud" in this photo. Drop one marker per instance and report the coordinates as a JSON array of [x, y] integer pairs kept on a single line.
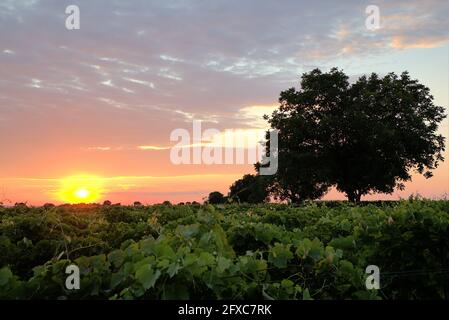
[[99, 148], [141, 82], [154, 148]]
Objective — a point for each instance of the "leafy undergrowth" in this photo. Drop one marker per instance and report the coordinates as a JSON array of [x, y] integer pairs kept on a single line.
[[268, 251]]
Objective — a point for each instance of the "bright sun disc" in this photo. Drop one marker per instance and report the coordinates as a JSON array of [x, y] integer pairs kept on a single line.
[[80, 189], [82, 193]]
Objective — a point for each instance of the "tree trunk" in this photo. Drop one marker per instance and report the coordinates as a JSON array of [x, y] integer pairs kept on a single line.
[[354, 196], [351, 196]]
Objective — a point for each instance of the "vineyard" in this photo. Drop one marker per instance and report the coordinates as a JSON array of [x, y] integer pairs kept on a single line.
[[272, 251]]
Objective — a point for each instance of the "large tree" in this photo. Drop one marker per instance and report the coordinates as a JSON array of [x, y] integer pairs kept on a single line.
[[363, 137]]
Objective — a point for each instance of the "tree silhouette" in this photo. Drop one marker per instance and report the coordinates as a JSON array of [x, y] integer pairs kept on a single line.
[[249, 189], [362, 138], [216, 198]]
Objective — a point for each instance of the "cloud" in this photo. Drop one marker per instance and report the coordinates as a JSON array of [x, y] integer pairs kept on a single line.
[[153, 148], [403, 42], [141, 82], [169, 74], [35, 83], [12, 7], [191, 61], [108, 83], [171, 59], [416, 24], [128, 90], [254, 115], [99, 148]]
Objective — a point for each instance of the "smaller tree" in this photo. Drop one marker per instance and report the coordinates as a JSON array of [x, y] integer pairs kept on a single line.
[[20, 204], [216, 198], [249, 189], [49, 205]]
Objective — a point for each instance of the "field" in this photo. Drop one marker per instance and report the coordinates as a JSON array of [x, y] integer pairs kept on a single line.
[[271, 251]]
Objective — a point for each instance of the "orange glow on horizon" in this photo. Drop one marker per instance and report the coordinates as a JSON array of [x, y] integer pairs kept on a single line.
[[80, 189]]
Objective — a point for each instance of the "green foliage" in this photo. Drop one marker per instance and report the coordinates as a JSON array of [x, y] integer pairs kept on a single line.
[[226, 252]]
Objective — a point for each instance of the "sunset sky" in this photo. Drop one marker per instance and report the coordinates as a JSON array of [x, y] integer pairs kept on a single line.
[[96, 106]]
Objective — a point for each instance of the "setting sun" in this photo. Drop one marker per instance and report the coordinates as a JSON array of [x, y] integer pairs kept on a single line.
[[80, 189], [82, 193]]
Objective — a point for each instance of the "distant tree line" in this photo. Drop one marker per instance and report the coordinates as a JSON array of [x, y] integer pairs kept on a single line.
[[249, 189]]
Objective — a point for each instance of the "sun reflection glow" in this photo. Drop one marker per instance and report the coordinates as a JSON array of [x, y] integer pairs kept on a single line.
[[80, 189]]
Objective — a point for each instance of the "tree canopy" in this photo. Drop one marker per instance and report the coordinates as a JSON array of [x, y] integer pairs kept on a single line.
[[365, 137], [216, 197]]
